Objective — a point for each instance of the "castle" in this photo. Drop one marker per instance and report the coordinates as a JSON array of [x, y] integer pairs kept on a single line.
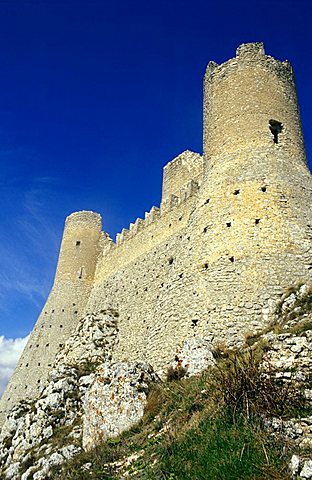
[[233, 231]]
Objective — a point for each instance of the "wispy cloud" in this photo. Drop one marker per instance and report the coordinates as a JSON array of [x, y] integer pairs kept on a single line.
[[10, 351], [29, 242]]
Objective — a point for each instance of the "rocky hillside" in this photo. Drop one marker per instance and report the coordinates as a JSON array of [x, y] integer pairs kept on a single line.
[[219, 411]]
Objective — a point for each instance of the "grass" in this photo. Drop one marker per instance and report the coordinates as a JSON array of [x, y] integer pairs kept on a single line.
[[227, 447]]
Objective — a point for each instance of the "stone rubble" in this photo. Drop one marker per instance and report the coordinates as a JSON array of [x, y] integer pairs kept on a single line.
[[288, 360]]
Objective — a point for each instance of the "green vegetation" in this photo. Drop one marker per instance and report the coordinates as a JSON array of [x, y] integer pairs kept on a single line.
[[206, 427]]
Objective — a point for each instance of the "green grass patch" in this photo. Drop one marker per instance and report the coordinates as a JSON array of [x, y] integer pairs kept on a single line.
[[227, 447]]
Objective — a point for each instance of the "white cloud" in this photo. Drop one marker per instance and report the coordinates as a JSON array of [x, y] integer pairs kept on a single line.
[[10, 351]]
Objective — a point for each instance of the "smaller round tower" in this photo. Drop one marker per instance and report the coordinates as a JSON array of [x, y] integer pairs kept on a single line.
[[79, 249], [64, 307]]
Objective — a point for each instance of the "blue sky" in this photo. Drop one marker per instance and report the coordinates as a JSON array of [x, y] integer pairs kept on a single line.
[[95, 98]]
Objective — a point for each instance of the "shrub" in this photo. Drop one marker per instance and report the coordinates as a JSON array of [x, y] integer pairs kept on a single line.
[[175, 373]]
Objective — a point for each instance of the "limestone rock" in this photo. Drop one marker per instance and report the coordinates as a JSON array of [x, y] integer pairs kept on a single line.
[[28, 431], [195, 355], [306, 471], [115, 401]]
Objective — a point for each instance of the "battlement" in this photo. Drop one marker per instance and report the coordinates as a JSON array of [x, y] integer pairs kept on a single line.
[[152, 217], [249, 54]]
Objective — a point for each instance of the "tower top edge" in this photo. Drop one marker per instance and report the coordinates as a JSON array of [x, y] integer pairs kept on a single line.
[[247, 54], [86, 217]]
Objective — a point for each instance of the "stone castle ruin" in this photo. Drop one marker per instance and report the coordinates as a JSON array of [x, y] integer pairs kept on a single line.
[[233, 231]]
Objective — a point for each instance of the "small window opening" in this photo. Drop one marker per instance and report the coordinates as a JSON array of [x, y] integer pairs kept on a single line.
[[38, 381], [76, 311], [78, 243], [207, 201], [181, 275], [231, 259], [170, 261], [60, 344], [180, 218], [169, 225], [275, 128], [26, 365], [53, 311], [195, 322], [39, 364], [206, 266], [47, 344], [257, 221], [228, 224], [205, 230], [61, 326], [236, 192], [263, 189]]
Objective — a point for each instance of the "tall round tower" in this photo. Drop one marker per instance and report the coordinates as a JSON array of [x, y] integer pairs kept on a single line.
[[64, 307], [250, 104], [253, 224]]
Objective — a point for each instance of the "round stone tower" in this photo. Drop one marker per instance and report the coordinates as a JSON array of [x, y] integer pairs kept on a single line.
[[64, 307], [253, 224], [79, 249], [251, 104]]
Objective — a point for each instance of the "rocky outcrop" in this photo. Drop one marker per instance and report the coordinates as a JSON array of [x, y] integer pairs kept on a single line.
[[115, 401], [194, 356], [38, 435]]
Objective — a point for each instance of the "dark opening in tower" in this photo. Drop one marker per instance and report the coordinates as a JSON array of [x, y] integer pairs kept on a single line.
[[275, 128]]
